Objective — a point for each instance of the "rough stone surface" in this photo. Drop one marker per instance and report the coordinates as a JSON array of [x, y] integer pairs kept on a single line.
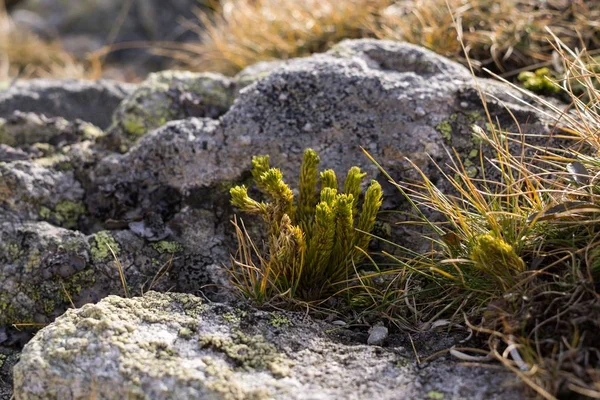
[[89, 101], [8, 358], [168, 96], [26, 129], [30, 191], [164, 346]]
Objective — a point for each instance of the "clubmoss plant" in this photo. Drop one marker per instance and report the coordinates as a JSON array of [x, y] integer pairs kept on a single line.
[[539, 81], [313, 242]]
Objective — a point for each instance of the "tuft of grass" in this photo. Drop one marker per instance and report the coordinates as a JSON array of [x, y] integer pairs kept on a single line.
[[24, 55], [312, 242], [506, 36], [281, 29], [514, 254]]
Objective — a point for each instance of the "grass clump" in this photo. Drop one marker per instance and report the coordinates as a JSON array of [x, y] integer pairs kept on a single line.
[[24, 55], [514, 254], [313, 241], [288, 28], [506, 36]]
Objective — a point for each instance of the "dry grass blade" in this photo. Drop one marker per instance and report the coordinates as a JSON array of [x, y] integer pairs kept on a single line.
[[24, 55]]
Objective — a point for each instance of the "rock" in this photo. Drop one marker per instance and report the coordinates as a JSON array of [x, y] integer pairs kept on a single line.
[[22, 129], [165, 346], [41, 266], [89, 101], [8, 358], [168, 96], [255, 72], [8, 154], [31, 191], [377, 335]]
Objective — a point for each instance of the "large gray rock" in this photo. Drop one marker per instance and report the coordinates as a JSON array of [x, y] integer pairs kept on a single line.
[[89, 101], [394, 99], [166, 346]]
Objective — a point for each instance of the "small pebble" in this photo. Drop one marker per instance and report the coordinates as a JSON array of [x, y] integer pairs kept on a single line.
[[377, 335]]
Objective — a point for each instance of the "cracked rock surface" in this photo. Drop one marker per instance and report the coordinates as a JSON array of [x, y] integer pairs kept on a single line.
[[165, 346]]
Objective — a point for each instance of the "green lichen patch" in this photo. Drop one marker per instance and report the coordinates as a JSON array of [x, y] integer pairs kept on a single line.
[[278, 320], [232, 318], [66, 213], [185, 333], [247, 352], [102, 246], [167, 247], [9, 251], [435, 395], [445, 128]]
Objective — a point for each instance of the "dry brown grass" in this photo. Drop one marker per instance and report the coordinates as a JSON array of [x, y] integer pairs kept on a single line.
[[247, 31], [501, 35], [25, 55]]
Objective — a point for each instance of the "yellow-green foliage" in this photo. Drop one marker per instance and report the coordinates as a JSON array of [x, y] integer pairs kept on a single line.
[[497, 258], [539, 81], [312, 242]]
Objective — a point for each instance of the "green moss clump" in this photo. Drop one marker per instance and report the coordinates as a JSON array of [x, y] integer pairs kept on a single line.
[[445, 128], [539, 81], [314, 241], [103, 243], [164, 246], [66, 213]]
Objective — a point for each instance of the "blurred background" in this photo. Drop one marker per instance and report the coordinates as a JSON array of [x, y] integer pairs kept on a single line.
[[127, 39]]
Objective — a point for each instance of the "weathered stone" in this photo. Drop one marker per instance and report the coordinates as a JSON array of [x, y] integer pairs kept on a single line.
[[88, 101], [22, 129], [42, 269], [167, 96], [165, 346], [30, 191]]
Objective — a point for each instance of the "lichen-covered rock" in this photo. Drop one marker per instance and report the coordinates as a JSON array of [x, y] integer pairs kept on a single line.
[[27, 129], [167, 96], [8, 358], [42, 269], [165, 346], [30, 191], [93, 102]]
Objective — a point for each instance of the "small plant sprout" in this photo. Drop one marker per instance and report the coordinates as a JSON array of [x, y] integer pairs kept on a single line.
[[313, 242]]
